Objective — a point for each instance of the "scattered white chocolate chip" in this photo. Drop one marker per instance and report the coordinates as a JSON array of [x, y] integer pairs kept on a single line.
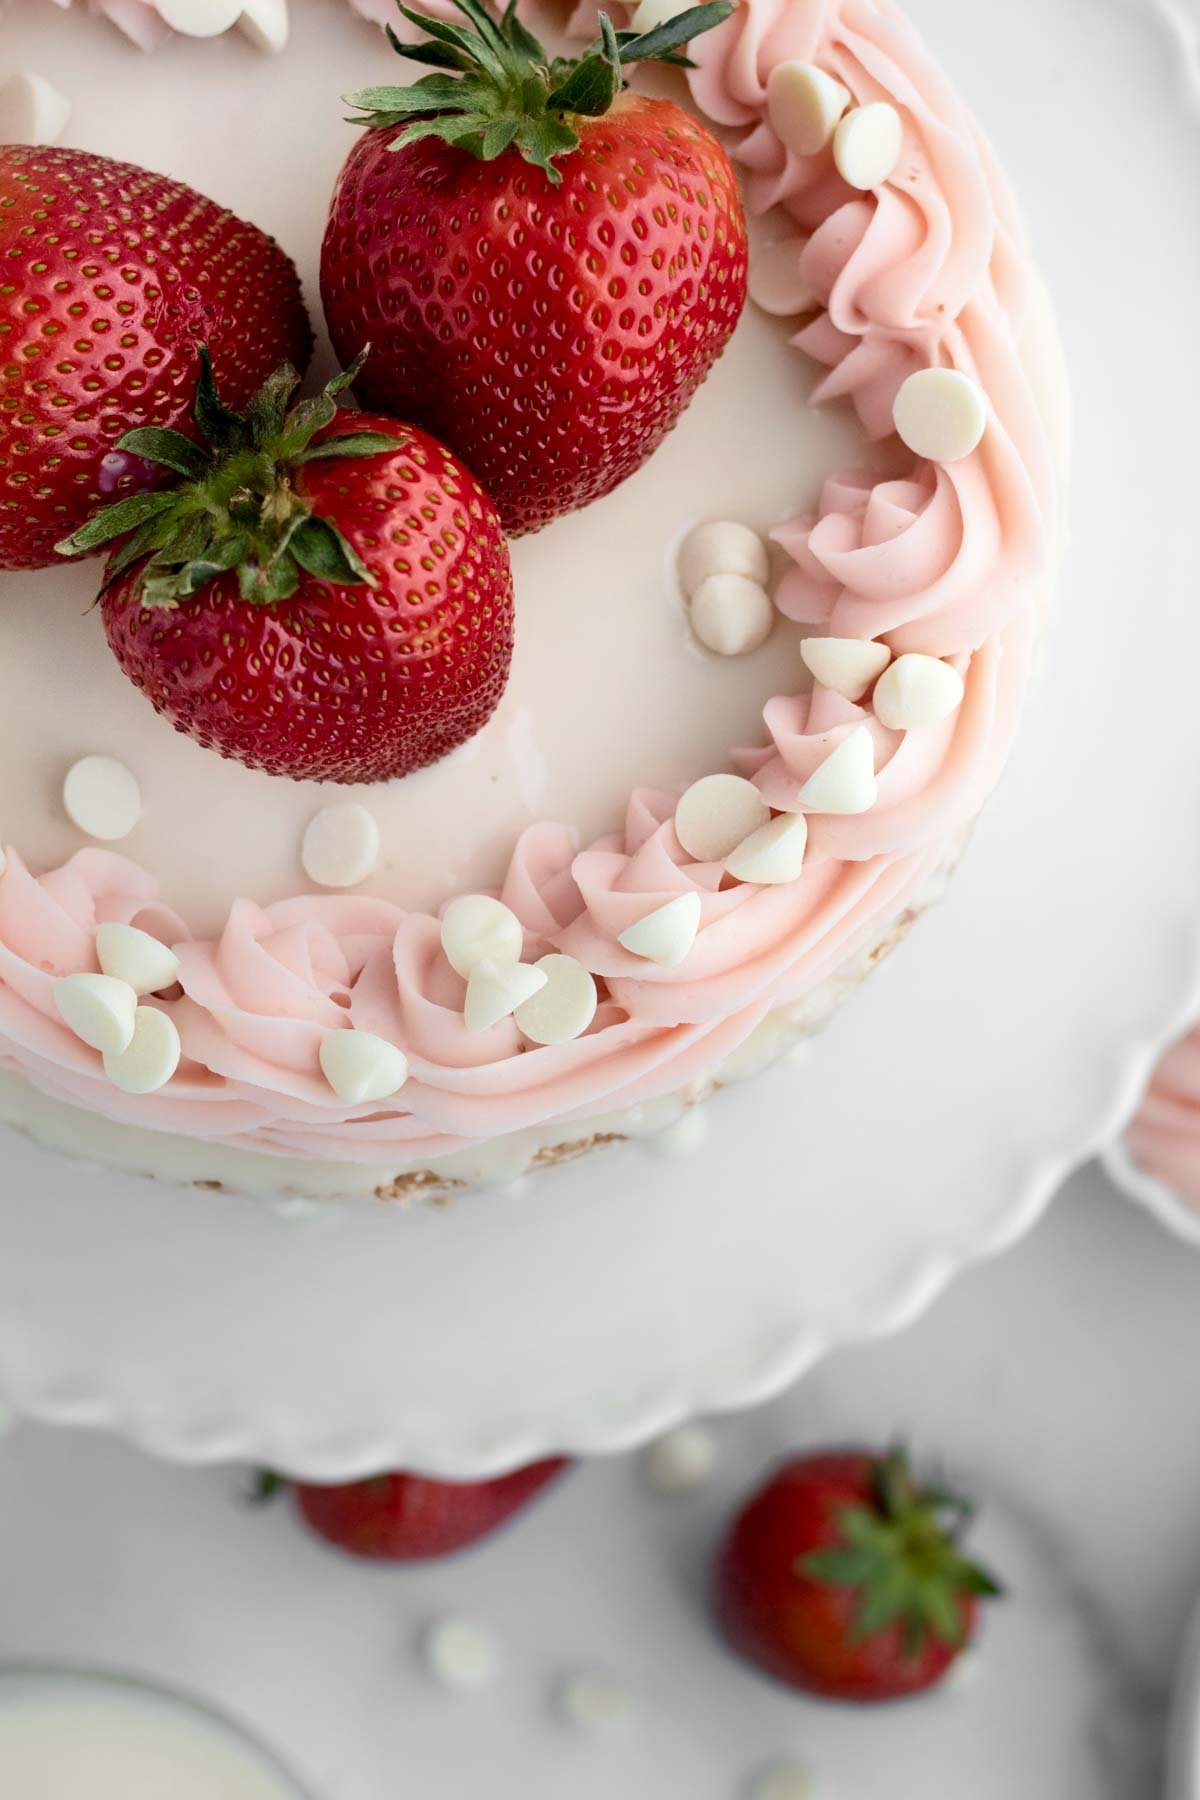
[[265, 23], [716, 813], [200, 18], [847, 665], [564, 1008], [773, 854], [775, 284], [99, 1009], [867, 145], [666, 935], [460, 1654], [361, 1067], [152, 1056], [680, 1462], [940, 414], [496, 989], [31, 110], [804, 105], [917, 690], [648, 15], [594, 1702], [475, 927], [845, 781], [102, 797], [721, 547], [341, 845], [784, 1781], [731, 614], [134, 956]]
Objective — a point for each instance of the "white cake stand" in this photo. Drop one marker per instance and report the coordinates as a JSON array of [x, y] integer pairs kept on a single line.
[[1008, 1039]]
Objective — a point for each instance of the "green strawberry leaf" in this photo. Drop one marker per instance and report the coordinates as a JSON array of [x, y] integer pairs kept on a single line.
[[169, 448], [650, 45], [114, 522], [321, 550], [353, 443]]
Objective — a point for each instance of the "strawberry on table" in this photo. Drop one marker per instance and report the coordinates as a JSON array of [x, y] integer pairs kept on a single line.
[[547, 264], [843, 1577], [324, 594], [412, 1518], [110, 280]]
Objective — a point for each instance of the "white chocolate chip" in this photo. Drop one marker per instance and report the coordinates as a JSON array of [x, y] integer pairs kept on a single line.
[[200, 18], [102, 797], [666, 935], [564, 1008], [845, 781], [680, 1462], [940, 414], [804, 105], [648, 15], [867, 145], [134, 956], [594, 1702], [716, 813], [784, 1781], [773, 854], [31, 110], [917, 690], [460, 1654], [731, 615], [361, 1067], [776, 285], [496, 989], [475, 927], [152, 1056], [265, 23], [721, 547], [341, 845], [99, 1009], [847, 665]]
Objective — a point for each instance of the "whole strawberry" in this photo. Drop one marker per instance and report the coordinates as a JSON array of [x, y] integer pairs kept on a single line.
[[325, 595], [412, 1518], [112, 279], [843, 1577], [547, 265]]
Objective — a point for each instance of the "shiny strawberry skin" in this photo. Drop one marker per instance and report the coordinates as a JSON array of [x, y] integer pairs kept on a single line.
[[803, 1631], [551, 335], [411, 1518], [110, 279], [341, 683]]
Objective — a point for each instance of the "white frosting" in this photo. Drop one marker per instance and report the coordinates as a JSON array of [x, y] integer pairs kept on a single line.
[[32, 111]]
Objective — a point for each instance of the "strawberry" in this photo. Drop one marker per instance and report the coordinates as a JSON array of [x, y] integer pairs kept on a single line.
[[410, 1518], [325, 595], [111, 279], [843, 1577], [547, 265]]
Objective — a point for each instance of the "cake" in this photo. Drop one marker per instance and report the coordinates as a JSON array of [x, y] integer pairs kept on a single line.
[[698, 816]]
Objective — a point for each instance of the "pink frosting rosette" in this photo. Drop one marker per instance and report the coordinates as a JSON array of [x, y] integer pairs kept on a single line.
[[1164, 1138]]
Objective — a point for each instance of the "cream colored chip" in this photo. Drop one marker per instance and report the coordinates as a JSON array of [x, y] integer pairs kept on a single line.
[[564, 1008], [496, 989], [666, 935], [773, 854], [134, 956], [845, 781], [940, 414], [867, 145], [716, 814], [32, 111], [475, 927], [152, 1056], [649, 14], [102, 797], [460, 1654], [776, 285], [341, 845], [681, 1462], [265, 23], [362, 1068], [594, 1702], [917, 690], [721, 547], [200, 18], [100, 1010], [785, 1781], [804, 105], [731, 614], [847, 665]]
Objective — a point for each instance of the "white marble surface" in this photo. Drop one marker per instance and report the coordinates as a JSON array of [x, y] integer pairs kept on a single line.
[[1059, 1382]]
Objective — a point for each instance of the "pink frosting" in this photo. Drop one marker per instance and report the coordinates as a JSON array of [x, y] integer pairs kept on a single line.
[[1164, 1138], [949, 561]]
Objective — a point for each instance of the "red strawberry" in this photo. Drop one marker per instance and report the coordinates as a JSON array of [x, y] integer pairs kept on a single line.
[[547, 265], [410, 1518], [111, 280], [842, 1577], [326, 595]]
